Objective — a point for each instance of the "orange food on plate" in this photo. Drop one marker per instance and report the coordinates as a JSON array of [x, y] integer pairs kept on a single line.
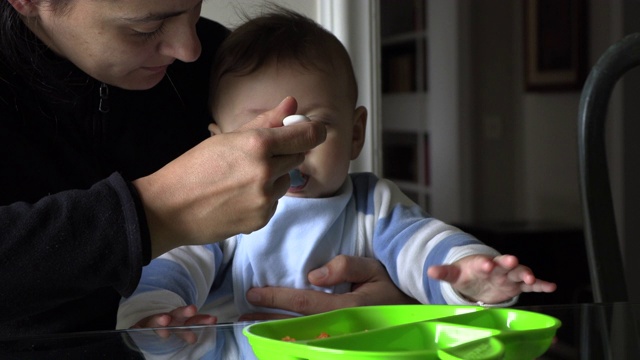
[[323, 335]]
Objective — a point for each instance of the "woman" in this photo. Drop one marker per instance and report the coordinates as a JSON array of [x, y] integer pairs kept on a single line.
[[106, 161]]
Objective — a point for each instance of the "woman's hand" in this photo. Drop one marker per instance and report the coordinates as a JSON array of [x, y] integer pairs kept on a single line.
[[372, 286], [228, 184]]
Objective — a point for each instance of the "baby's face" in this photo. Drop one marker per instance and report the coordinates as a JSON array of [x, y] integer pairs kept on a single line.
[[321, 97]]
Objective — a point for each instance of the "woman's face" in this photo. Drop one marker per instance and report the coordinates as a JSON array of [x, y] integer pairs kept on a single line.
[[126, 43]]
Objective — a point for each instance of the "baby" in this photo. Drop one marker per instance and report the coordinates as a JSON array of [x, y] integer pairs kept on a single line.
[[326, 211]]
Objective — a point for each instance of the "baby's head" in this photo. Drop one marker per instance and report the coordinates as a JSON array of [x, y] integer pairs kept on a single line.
[[282, 54]]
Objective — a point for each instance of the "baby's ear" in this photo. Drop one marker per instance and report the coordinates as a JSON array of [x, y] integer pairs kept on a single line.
[[359, 131], [26, 8], [214, 129]]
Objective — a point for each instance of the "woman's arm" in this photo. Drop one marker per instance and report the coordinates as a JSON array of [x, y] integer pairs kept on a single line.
[[68, 245]]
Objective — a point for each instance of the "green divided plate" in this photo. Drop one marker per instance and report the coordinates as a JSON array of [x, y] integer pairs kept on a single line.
[[406, 332]]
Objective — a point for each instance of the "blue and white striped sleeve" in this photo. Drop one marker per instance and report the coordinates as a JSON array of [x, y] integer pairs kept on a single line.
[[182, 276], [408, 241]]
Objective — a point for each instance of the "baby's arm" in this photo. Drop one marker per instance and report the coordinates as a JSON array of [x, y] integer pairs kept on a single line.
[[470, 271], [490, 280], [169, 284]]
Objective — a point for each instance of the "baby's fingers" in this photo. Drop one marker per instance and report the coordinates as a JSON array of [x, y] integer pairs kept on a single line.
[[153, 321], [509, 265], [522, 274], [506, 262], [448, 273], [201, 319], [539, 286], [181, 314]]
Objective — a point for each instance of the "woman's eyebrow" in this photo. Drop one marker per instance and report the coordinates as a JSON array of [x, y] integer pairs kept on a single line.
[[153, 17], [156, 16]]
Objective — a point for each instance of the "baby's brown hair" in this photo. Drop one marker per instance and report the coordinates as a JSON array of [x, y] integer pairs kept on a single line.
[[284, 36]]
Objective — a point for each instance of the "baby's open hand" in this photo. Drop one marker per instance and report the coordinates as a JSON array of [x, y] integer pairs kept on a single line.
[[490, 280]]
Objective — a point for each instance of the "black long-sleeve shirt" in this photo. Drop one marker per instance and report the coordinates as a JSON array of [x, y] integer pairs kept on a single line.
[[73, 237]]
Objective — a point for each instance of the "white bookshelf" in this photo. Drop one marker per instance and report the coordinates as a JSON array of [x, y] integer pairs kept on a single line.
[[427, 109], [405, 97]]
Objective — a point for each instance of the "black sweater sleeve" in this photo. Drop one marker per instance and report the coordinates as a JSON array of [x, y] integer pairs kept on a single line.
[[68, 244]]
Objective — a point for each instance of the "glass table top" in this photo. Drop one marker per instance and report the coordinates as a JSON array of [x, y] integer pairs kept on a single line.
[[588, 331]]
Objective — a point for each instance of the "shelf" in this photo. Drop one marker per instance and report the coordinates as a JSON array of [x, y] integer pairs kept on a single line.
[[404, 38], [406, 157], [405, 111], [411, 186], [400, 17], [404, 66]]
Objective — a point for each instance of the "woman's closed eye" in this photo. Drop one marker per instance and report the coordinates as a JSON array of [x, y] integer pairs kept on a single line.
[[147, 35]]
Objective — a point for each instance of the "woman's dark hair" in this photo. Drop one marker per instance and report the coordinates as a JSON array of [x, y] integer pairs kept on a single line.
[[27, 56], [14, 38]]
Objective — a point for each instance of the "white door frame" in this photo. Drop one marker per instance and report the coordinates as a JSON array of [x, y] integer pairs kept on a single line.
[[359, 34]]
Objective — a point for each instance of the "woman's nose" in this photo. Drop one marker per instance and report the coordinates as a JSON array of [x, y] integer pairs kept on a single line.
[[183, 44]]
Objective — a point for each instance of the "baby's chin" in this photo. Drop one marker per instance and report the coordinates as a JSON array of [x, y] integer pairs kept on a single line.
[[310, 193], [301, 192], [298, 195]]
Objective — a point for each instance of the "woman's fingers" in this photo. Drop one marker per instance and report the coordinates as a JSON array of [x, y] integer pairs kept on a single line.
[[273, 118], [371, 286]]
